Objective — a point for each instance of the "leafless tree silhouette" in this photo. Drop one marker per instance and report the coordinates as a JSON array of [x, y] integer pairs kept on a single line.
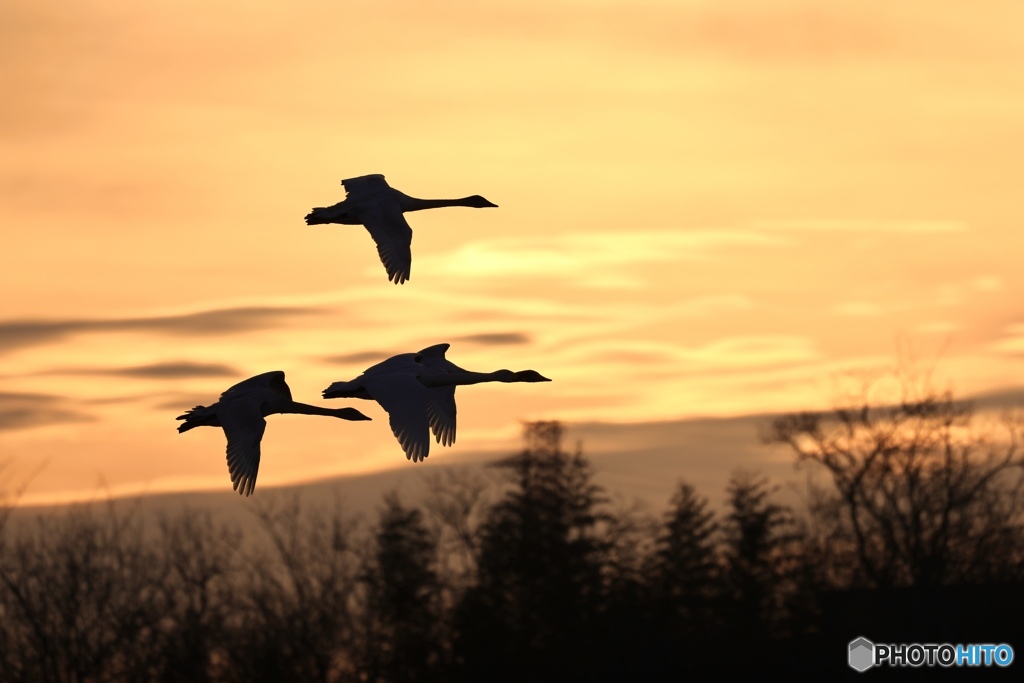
[[203, 565], [921, 493], [80, 601], [295, 619]]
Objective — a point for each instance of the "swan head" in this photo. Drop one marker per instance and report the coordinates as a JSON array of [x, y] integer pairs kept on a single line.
[[478, 202], [350, 414], [529, 376]]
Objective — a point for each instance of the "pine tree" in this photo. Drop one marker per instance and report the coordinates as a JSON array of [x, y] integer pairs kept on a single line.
[[685, 572], [538, 583], [402, 599], [762, 558]]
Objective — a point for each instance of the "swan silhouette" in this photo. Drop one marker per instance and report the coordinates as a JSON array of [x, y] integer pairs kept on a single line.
[[240, 412], [418, 392], [372, 203]]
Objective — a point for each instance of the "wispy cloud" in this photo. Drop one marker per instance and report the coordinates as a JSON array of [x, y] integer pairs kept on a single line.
[[166, 400], [480, 339], [166, 370], [858, 309], [19, 333], [988, 283], [1011, 397], [738, 352], [186, 401], [359, 357], [938, 327], [582, 256], [23, 410], [853, 225], [495, 338], [1012, 343]]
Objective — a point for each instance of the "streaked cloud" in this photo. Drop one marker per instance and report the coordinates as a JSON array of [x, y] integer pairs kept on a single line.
[[581, 256], [747, 351], [859, 309], [495, 338], [1008, 398], [183, 401], [359, 357], [165, 370], [755, 350], [1012, 343], [20, 333], [988, 283], [172, 370], [481, 339], [31, 193], [938, 327], [848, 225], [25, 410], [704, 306]]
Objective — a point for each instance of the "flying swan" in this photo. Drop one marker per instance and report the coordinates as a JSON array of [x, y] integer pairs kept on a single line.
[[418, 392], [371, 202], [240, 412]]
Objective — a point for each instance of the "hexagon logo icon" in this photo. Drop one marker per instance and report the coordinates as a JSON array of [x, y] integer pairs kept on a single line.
[[862, 654]]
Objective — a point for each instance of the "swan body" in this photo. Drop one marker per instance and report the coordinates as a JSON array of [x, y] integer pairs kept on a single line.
[[240, 412], [417, 390], [372, 203]]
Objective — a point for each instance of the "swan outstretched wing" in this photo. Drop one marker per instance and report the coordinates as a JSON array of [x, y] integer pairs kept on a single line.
[[377, 206], [273, 380], [434, 352], [405, 401], [393, 236], [243, 426], [441, 409], [364, 184], [441, 412]]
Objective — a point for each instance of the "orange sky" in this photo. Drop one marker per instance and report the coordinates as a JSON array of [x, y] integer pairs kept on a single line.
[[706, 208]]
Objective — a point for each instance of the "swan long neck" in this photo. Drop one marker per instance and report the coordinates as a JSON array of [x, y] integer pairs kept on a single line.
[[305, 409], [447, 379], [414, 204]]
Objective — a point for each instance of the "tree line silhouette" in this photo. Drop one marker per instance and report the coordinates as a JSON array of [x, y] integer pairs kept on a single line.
[[916, 537]]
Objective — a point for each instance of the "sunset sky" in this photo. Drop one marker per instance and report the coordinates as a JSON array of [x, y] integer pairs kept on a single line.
[[706, 208]]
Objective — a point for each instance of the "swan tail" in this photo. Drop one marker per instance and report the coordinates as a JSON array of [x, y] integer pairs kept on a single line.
[[197, 417], [326, 214], [345, 390], [334, 391]]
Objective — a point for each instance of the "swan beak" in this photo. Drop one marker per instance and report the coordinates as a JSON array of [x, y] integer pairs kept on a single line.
[[531, 376], [490, 204], [354, 415]]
